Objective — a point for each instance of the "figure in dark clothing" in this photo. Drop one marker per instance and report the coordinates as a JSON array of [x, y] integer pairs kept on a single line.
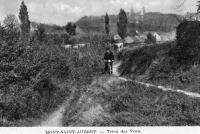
[[108, 59]]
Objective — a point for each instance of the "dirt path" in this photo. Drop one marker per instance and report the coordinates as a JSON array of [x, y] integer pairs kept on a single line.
[[95, 110], [55, 119], [190, 94]]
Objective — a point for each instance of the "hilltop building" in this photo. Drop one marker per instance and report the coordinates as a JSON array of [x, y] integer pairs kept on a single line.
[[136, 17]]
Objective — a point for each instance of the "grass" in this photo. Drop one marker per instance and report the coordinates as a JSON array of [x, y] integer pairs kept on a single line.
[[138, 61], [131, 104], [156, 64], [141, 106]]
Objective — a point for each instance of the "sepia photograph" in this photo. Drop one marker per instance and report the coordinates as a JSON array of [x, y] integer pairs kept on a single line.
[[99, 63]]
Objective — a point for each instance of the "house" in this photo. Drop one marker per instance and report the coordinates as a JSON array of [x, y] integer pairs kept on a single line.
[[137, 39], [67, 46], [118, 46], [128, 40], [75, 46], [117, 38], [81, 45], [157, 36]]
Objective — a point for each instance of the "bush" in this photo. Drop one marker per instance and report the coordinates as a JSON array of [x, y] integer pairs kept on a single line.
[[150, 38], [26, 64], [26, 67], [138, 61], [187, 50]]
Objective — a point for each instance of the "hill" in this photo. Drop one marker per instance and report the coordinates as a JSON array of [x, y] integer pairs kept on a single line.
[[96, 24], [160, 22], [152, 21]]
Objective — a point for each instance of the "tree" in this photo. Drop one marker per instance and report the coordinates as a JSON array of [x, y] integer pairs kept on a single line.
[[188, 46], [122, 24], [11, 22], [198, 7], [70, 28], [107, 26], [10, 29], [40, 33], [24, 19], [150, 38], [1, 32]]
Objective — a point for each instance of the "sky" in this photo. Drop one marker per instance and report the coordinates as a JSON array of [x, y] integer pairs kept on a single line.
[[62, 11]]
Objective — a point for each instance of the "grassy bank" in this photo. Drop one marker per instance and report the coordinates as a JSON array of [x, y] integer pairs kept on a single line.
[[156, 64], [111, 102], [138, 61]]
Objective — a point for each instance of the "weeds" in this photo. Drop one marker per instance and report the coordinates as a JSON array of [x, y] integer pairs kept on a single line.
[[142, 106]]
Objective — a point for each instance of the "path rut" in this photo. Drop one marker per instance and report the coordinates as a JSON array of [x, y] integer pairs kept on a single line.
[[190, 94]]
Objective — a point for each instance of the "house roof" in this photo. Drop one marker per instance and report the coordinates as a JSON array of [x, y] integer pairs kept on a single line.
[[117, 37], [137, 39], [128, 40]]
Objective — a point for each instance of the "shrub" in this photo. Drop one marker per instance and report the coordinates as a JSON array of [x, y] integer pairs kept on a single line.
[[139, 60], [187, 50], [150, 38], [25, 64]]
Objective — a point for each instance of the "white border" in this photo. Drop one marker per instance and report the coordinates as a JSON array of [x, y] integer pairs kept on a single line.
[[99, 130]]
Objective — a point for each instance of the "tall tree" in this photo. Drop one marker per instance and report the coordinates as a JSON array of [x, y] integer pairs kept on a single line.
[[107, 25], [122, 24], [70, 28], [24, 19]]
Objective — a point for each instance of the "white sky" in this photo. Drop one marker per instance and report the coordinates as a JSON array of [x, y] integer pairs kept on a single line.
[[62, 11]]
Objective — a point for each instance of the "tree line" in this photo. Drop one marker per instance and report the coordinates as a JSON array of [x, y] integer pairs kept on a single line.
[[121, 24], [23, 28]]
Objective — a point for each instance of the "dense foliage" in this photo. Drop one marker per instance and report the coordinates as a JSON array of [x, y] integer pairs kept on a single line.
[[122, 24], [70, 28], [139, 61], [187, 50], [37, 69], [40, 33]]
